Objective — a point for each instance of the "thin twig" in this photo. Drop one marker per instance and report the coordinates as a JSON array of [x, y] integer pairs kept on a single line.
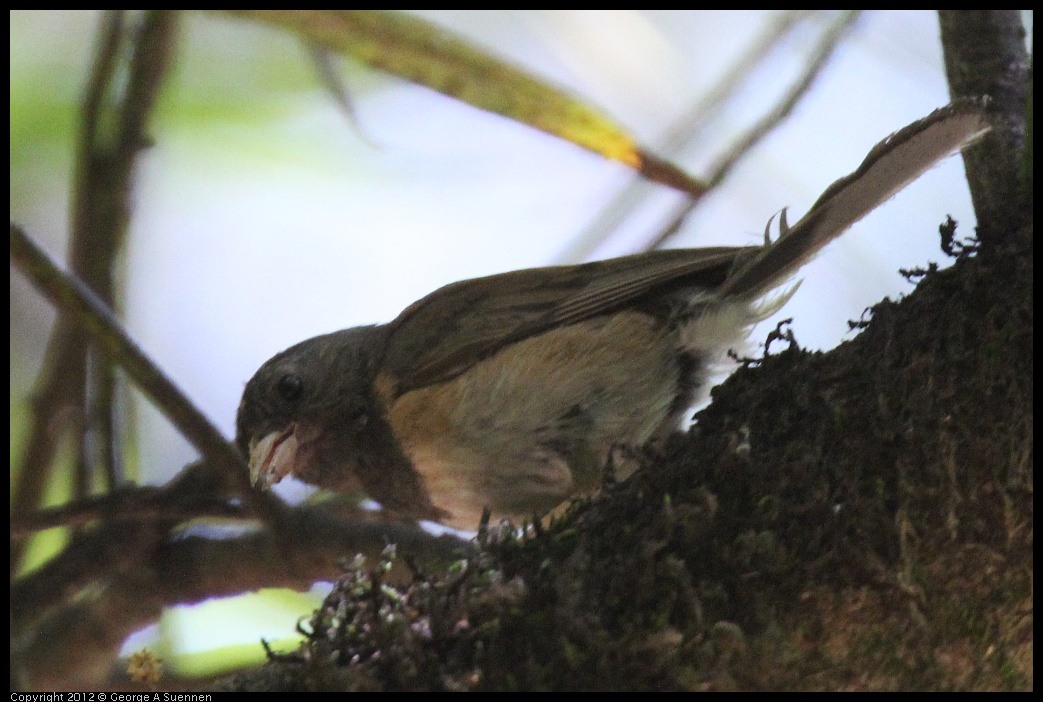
[[138, 503], [113, 138], [58, 396], [818, 60], [685, 131], [112, 135]]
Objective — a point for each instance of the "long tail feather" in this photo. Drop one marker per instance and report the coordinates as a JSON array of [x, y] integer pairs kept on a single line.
[[891, 165]]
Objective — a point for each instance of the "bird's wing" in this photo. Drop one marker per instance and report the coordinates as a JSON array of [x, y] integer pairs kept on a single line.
[[443, 334]]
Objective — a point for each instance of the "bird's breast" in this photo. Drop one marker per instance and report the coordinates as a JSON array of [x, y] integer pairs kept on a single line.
[[531, 426]]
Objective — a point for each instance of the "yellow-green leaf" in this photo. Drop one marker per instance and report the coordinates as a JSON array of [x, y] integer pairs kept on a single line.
[[418, 51]]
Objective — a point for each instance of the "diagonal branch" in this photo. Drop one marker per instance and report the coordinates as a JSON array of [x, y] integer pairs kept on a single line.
[[98, 321]]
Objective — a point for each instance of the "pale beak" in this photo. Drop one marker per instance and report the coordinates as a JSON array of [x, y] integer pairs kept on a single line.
[[273, 457]]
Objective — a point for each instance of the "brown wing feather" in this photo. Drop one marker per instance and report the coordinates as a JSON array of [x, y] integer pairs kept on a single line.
[[442, 335]]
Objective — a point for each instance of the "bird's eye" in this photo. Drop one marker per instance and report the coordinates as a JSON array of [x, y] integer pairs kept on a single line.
[[290, 387]]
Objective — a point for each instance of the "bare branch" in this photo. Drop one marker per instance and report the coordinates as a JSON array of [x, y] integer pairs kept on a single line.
[[100, 214], [105, 330]]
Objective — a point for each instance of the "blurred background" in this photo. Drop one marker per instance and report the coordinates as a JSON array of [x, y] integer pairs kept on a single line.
[[263, 216]]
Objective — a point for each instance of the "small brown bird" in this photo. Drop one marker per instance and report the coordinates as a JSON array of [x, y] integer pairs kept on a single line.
[[509, 391]]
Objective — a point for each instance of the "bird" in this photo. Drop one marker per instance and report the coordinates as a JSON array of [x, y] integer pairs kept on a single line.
[[506, 394]]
